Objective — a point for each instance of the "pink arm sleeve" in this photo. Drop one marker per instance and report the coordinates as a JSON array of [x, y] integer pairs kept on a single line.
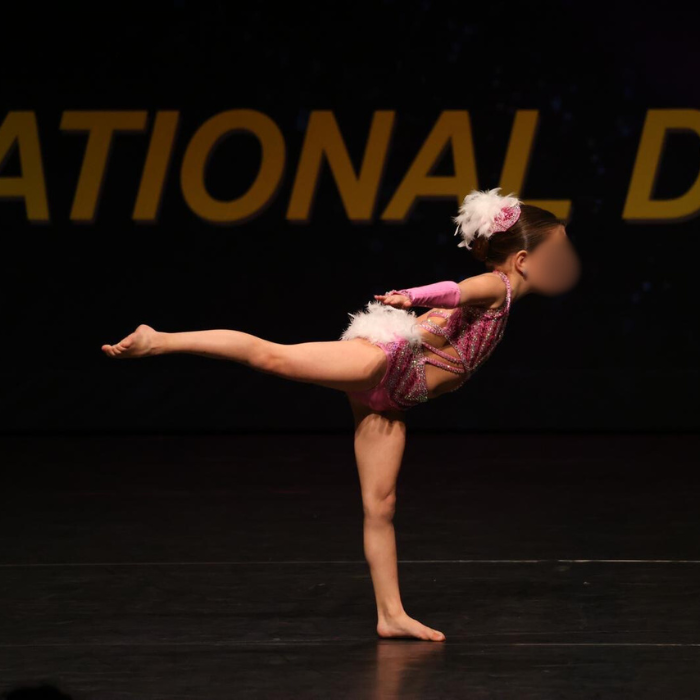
[[446, 295]]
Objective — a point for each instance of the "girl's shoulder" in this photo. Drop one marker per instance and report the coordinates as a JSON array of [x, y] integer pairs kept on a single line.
[[488, 291]]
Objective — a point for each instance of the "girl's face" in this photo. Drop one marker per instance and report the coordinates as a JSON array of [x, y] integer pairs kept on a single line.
[[554, 266]]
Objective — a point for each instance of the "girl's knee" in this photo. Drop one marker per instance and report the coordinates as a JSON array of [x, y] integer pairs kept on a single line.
[[382, 509]]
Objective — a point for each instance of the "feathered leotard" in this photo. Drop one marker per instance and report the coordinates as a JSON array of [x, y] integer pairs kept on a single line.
[[472, 331]]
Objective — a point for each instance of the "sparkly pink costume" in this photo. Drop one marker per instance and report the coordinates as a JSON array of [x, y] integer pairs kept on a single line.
[[472, 331]]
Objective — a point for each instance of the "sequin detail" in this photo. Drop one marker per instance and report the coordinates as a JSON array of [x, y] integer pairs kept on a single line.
[[403, 384], [505, 219]]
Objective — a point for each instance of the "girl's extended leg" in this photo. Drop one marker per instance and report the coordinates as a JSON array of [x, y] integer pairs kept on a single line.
[[379, 445], [347, 365]]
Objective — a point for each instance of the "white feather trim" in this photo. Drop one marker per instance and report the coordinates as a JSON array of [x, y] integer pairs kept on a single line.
[[477, 213], [380, 322]]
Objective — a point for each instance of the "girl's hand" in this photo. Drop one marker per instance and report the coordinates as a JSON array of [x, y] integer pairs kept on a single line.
[[398, 301]]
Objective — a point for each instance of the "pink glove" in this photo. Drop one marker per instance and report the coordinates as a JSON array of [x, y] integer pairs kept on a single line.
[[446, 295]]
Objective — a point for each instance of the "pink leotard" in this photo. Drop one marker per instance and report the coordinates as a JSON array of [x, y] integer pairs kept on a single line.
[[473, 331]]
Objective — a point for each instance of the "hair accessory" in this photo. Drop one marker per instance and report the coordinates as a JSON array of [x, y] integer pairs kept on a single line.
[[485, 213]]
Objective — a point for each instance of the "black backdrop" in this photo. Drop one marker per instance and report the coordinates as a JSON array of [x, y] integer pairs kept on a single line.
[[618, 352]]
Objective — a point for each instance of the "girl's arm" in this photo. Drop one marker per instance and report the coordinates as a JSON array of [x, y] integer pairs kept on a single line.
[[480, 290]]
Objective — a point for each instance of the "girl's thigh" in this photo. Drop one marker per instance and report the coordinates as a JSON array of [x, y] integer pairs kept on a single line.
[[346, 365], [379, 443]]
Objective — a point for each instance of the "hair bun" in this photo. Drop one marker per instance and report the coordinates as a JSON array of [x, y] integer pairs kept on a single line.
[[484, 213], [480, 248]]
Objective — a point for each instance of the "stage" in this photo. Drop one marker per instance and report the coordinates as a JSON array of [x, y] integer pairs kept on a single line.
[[218, 567]]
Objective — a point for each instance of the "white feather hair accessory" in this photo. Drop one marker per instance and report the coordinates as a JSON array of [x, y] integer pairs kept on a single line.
[[485, 213]]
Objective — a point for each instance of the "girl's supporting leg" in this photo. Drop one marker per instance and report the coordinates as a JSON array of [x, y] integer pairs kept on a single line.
[[379, 445], [347, 365]]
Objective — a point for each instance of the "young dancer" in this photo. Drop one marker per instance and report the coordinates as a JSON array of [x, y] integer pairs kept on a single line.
[[388, 360]]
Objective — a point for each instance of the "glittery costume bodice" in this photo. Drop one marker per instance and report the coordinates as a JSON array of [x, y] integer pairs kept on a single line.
[[472, 331]]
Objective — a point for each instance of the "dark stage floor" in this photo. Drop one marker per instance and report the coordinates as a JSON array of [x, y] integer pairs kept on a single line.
[[232, 567]]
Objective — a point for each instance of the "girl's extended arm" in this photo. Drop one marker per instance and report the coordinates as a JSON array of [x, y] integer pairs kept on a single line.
[[446, 294], [478, 290]]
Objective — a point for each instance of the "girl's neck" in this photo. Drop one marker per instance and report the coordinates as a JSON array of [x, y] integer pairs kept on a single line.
[[518, 286]]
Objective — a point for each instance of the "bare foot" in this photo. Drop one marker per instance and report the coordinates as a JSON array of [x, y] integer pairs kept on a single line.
[[404, 626], [141, 343]]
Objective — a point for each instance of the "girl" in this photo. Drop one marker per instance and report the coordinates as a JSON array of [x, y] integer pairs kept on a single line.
[[388, 360]]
